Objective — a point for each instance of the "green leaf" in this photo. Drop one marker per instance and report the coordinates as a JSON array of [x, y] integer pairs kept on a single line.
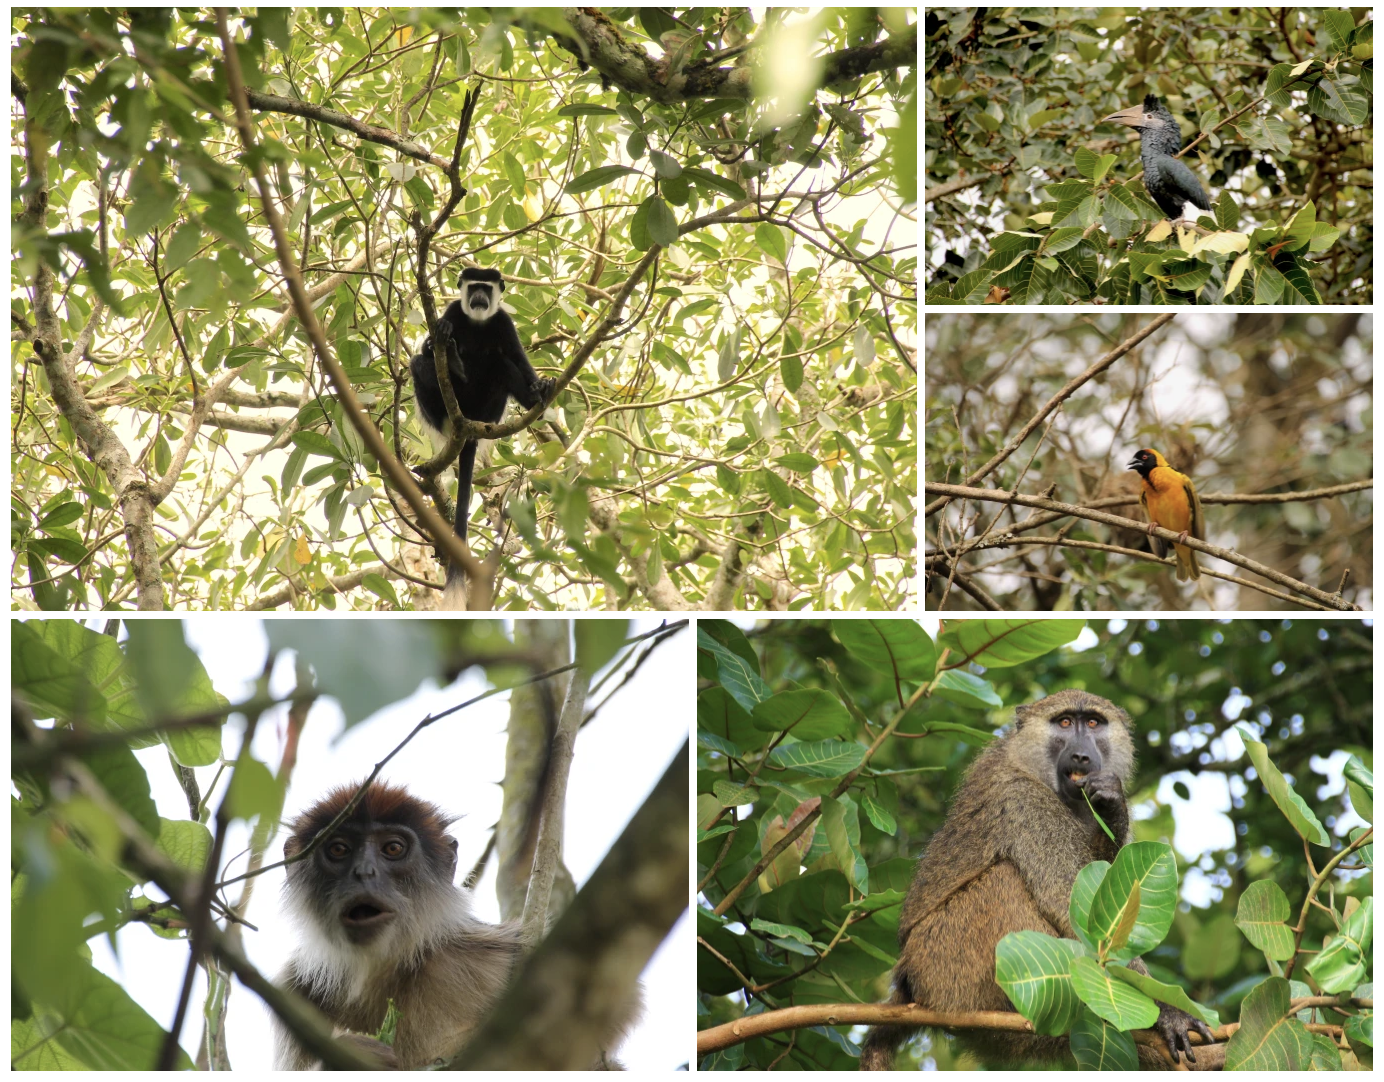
[[1338, 24], [783, 931], [314, 443], [1268, 284], [734, 796], [364, 666], [93, 1018], [599, 641], [712, 742], [1360, 783], [966, 689], [740, 679], [878, 814], [1001, 643], [663, 223], [586, 109], [1164, 993], [770, 239], [1114, 1000], [798, 462], [665, 165], [598, 177], [1293, 807], [900, 649], [1344, 961], [841, 824], [1269, 1038], [1153, 867], [806, 713], [1262, 914], [1099, 1046], [1297, 286], [703, 178], [163, 665], [819, 758], [1034, 970]]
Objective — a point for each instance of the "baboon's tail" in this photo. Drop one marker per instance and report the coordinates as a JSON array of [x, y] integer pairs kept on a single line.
[[877, 1053]]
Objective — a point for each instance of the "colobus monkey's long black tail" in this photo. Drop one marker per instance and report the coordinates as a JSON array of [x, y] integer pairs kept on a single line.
[[454, 593]]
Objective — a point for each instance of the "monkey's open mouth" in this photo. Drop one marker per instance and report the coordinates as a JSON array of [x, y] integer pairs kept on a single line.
[[1076, 775], [363, 914]]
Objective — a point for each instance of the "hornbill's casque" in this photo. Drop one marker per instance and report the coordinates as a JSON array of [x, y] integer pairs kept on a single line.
[[1170, 183]]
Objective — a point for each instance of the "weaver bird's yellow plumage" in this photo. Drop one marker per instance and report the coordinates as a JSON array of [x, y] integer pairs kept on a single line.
[[1170, 500]]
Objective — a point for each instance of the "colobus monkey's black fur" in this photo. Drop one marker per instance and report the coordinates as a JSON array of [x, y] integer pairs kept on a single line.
[[488, 366]]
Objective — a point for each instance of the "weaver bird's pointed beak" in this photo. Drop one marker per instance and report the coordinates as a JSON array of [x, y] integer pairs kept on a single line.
[[1133, 465]]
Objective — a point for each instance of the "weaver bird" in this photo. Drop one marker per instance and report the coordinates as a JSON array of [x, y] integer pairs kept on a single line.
[[1169, 499]]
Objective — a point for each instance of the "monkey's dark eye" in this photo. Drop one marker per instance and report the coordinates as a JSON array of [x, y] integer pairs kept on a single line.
[[394, 848], [1064, 721], [338, 850]]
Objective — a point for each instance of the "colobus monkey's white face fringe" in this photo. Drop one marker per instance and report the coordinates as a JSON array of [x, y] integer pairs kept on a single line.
[[482, 300]]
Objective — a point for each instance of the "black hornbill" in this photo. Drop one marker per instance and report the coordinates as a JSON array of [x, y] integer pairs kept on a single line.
[[1170, 183]]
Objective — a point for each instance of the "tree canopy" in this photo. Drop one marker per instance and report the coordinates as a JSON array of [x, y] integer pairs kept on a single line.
[[705, 224], [1032, 199], [1032, 423]]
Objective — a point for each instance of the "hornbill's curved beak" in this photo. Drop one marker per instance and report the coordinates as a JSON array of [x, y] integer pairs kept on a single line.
[[1134, 116]]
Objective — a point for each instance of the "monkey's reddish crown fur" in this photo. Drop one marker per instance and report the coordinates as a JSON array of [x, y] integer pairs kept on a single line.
[[382, 803]]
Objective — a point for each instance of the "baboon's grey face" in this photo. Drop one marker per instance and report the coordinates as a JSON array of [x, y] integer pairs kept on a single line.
[[1078, 746]]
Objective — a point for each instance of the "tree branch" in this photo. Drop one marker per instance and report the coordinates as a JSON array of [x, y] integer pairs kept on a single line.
[[953, 492], [1055, 401], [442, 532], [719, 1038]]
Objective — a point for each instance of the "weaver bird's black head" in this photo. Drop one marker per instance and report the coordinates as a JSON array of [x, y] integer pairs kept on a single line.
[[1145, 461]]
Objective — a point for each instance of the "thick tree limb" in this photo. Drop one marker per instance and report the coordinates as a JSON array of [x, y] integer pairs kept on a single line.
[[372, 133], [442, 533], [719, 1038], [580, 980], [597, 41]]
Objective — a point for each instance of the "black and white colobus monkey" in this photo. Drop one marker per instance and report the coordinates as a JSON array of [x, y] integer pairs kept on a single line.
[[379, 919], [487, 365]]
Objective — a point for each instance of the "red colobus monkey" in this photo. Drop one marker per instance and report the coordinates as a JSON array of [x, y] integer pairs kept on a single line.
[[379, 919]]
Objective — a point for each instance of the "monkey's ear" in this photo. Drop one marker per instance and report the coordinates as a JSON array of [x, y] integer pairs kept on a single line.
[[451, 857]]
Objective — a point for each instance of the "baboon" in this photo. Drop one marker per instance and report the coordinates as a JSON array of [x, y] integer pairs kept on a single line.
[[1004, 861]]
